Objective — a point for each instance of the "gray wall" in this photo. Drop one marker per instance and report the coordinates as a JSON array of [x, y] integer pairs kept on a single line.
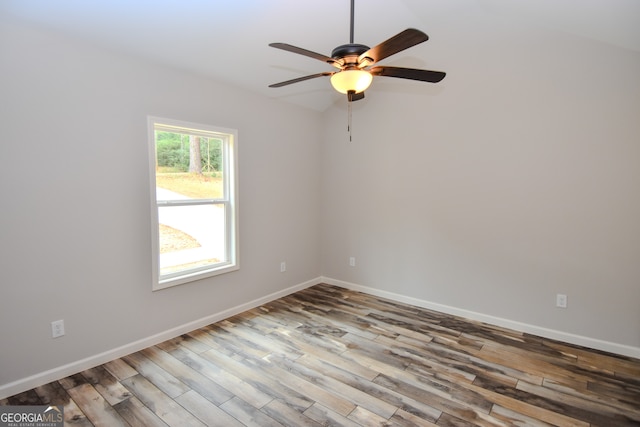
[[74, 185], [516, 178]]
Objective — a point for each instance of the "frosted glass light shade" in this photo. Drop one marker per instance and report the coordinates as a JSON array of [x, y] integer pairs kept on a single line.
[[351, 80]]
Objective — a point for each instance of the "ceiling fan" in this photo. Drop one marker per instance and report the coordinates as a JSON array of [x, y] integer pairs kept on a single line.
[[354, 62]]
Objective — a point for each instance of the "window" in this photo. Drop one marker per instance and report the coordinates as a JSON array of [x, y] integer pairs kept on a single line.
[[193, 212]]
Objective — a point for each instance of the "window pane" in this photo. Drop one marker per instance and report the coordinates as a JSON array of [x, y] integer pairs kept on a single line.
[[189, 166], [191, 237], [181, 185]]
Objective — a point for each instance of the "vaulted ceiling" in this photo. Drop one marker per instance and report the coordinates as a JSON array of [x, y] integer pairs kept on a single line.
[[228, 40]]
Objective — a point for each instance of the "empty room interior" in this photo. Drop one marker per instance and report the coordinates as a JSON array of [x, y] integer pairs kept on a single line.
[[491, 215]]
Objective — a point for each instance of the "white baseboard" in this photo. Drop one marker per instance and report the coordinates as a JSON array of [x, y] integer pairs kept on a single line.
[[580, 340], [41, 378]]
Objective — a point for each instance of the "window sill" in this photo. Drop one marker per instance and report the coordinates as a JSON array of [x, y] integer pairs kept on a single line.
[[193, 276]]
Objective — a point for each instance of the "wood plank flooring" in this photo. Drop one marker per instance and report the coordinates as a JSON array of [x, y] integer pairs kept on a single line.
[[327, 356]]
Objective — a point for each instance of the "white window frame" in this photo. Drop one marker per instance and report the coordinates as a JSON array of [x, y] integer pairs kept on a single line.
[[230, 201]]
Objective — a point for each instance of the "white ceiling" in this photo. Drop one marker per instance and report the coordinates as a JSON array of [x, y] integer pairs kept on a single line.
[[227, 40]]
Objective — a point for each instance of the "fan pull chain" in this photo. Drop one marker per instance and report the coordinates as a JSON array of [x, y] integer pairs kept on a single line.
[[349, 121]]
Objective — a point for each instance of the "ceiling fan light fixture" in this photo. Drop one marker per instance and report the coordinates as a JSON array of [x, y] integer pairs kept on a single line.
[[346, 81]]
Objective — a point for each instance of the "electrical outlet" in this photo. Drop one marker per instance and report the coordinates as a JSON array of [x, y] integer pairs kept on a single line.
[[57, 328], [352, 261], [283, 267], [561, 301]]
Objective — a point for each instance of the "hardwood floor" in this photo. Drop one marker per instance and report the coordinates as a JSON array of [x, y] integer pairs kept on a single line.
[[329, 356]]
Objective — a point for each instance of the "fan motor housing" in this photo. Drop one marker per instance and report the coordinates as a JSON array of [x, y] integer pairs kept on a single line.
[[350, 49]]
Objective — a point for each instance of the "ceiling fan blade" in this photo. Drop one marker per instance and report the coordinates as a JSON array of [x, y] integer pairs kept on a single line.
[[305, 52], [399, 42], [300, 79], [409, 73], [351, 97]]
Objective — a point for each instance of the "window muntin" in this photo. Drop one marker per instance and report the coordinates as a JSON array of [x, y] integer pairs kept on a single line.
[[194, 214]]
